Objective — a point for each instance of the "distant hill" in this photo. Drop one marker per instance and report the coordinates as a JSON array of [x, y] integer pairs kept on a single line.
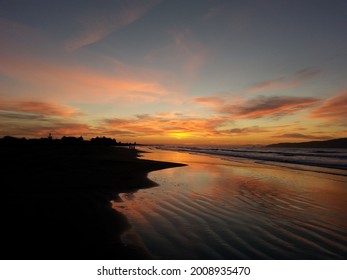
[[340, 143]]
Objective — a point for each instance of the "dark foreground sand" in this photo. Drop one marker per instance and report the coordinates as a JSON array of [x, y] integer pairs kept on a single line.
[[55, 201]]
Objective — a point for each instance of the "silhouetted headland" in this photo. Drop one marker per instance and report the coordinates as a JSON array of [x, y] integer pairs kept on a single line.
[[340, 143], [56, 197]]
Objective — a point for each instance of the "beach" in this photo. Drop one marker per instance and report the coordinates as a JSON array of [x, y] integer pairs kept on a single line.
[[218, 208], [102, 202], [55, 201]]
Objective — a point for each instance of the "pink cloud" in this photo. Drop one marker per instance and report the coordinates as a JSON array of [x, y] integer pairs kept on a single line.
[[259, 107], [73, 82], [41, 108], [286, 82], [184, 53], [59, 129], [333, 109], [214, 102], [102, 22], [165, 125], [30, 125], [55, 76], [193, 52]]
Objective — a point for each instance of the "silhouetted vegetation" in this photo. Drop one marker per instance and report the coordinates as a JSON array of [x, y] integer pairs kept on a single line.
[[65, 140], [104, 141]]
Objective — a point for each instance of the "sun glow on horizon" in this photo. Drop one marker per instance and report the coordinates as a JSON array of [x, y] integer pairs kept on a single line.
[[180, 135]]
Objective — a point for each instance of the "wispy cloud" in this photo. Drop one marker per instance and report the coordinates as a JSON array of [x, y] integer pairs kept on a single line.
[[14, 35], [193, 52], [33, 125], [214, 102], [36, 119], [184, 54], [247, 130], [260, 106], [268, 106], [40, 108], [291, 81], [59, 129], [106, 19], [10, 115], [302, 136], [76, 82], [213, 12], [165, 125], [333, 109]]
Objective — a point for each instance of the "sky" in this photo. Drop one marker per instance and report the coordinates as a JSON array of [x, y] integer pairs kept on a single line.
[[194, 72]]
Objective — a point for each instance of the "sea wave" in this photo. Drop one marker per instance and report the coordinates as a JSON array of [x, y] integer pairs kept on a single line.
[[327, 158]]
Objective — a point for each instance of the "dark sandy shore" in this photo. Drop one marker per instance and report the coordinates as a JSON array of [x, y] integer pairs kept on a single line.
[[55, 201]]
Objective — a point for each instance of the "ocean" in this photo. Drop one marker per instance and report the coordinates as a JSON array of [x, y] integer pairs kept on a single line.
[[329, 158]]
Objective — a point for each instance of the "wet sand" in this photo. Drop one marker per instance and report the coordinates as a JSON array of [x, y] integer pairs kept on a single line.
[[55, 201], [238, 209]]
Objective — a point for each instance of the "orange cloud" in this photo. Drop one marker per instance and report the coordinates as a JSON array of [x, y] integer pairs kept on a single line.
[[156, 126], [261, 106], [333, 109], [57, 76], [211, 101], [165, 125], [59, 129], [24, 124], [286, 82], [70, 82], [41, 108]]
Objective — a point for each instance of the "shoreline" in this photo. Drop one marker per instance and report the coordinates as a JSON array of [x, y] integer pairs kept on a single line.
[[327, 168], [56, 201]]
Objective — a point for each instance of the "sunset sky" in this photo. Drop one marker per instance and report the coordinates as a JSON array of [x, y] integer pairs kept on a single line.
[[174, 72]]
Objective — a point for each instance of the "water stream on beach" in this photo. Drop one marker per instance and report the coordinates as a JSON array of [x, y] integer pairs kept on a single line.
[[223, 209]]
